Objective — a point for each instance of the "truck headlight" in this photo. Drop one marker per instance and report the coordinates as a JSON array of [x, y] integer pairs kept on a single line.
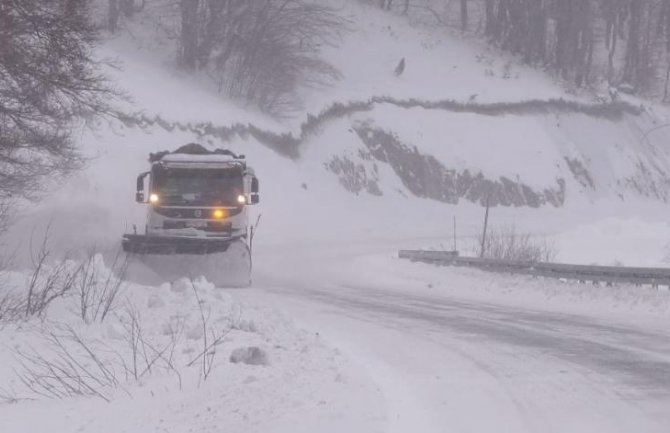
[[153, 198], [241, 199]]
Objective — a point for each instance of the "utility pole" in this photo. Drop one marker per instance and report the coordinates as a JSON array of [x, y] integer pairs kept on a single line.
[[486, 223], [455, 249]]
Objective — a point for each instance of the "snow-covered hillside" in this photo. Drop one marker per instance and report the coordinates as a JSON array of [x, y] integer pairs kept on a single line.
[[470, 119]]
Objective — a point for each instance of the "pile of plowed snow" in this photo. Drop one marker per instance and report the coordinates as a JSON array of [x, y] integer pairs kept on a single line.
[[181, 355]]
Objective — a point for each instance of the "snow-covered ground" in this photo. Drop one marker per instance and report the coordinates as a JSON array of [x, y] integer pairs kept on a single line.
[[462, 350], [356, 339], [184, 356]]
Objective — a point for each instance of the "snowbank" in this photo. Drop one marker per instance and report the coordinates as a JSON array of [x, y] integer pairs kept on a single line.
[[162, 357]]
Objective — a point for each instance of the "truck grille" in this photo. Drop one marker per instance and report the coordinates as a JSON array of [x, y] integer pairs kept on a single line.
[[211, 226], [192, 213]]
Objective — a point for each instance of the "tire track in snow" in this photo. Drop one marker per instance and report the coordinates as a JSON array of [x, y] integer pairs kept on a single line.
[[526, 367]]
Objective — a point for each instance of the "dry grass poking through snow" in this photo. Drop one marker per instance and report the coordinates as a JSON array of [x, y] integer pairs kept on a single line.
[[506, 243], [95, 339], [175, 338], [65, 354], [95, 287]]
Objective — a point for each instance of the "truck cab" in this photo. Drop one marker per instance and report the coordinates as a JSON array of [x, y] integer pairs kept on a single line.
[[197, 193]]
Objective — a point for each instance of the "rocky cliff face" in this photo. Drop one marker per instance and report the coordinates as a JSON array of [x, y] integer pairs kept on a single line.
[[545, 159], [424, 176]]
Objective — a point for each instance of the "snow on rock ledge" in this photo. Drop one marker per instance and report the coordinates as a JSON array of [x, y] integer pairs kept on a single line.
[[427, 177]]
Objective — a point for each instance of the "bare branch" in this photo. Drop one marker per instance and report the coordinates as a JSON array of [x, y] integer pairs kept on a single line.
[[48, 79], [208, 353]]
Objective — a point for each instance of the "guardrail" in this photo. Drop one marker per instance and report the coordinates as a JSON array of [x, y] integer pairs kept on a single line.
[[591, 273], [427, 256]]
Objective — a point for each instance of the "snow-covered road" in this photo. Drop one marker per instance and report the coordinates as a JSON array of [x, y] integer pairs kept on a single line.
[[448, 360]]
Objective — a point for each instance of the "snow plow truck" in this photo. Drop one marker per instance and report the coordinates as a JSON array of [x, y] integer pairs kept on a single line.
[[197, 220]]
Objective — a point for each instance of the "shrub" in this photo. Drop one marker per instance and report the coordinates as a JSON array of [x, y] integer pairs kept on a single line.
[[506, 243]]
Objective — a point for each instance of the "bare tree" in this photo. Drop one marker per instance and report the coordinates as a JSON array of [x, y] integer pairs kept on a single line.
[[116, 9], [665, 20], [131, 7], [47, 283], [189, 33], [113, 15], [464, 15], [47, 79], [506, 243], [259, 50]]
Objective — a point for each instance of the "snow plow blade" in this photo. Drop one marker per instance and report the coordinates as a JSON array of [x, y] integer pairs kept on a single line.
[[142, 244], [157, 259]]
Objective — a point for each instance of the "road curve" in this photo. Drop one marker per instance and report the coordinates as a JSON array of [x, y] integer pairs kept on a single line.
[[449, 364]]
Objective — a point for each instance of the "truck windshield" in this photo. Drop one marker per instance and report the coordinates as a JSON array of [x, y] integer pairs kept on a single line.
[[198, 187]]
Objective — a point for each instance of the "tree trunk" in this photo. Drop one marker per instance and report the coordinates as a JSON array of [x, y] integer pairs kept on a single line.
[[500, 29], [612, 50], [213, 28], [113, 15], [189, 34], [535, 40], [566, 37], [666, 22], [667, 78], [128, 8], [490, 18], [589, 62], [464, 15], [632, 61]]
